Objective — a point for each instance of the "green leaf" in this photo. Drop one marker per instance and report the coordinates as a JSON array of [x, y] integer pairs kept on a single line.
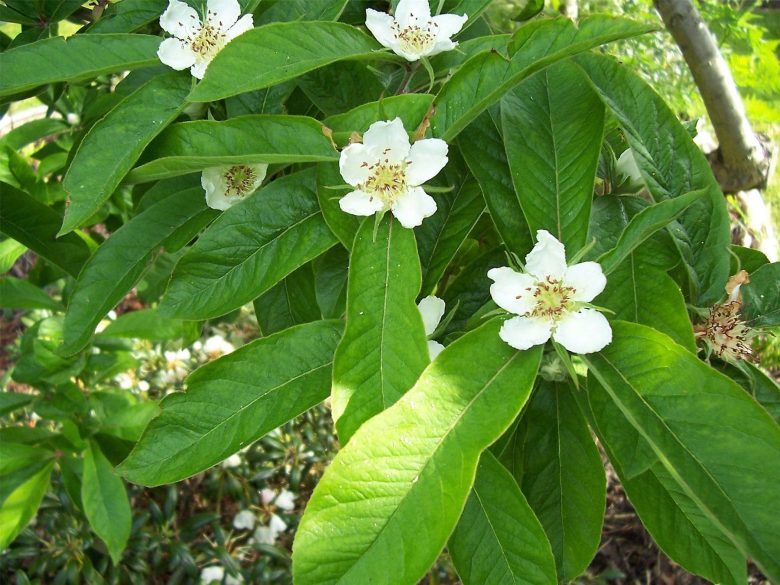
[[761, 297], [757, 383], [35, 225], [10, 401], [14, 456], [643, 225], [385, 507], [384, 349], [552, 126], [653, 132], [10, 251], [498, 539], [279, 52], [20, 294], [251, 247], [270, 100], [193, 146], [746, 259], [128, 16], [20, 495], [149, 324], [482, 147], [330, 282], [290, 302], [442, 234], [121, 260], [74, 59], [33, 131], [688, 443], [105, 502], [111, 147], [299, 10], [483, 79], [234, 401], [554, 459], [341, 87]]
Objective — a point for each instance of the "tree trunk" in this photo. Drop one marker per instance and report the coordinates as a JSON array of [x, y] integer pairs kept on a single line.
[[741, 162]]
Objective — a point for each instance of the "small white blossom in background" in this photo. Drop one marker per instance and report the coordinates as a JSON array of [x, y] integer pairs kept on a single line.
[[212, 574], [232, 461], [285, 500], [551, 300], [111, 316], [387, 171], [413, 33], [194, 43], [217, 346], [176, 366], [269, 534], [432, 310], [244, 520], [227, 185]]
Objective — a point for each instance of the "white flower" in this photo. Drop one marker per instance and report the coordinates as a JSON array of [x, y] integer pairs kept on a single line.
[[125, 381], [387, 172], [195, 43], [269, 534], [267, 495], [285, 500], [232, 461], [551, 300], [211, 574], [217, 346], [176, 366], [227, 185], [626, 165], [143, 386], [231, 580], [413, 33], [244, 520], [432, 310]]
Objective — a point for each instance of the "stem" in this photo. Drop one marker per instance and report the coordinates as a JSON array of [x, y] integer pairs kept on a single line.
[[410, 71]]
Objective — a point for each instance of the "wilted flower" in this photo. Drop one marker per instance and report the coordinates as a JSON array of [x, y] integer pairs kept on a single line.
[[432, 310], [227, 185], [413, 32], [551, 300], [724, 332], [244, 520], [387, 172], [195, 43], [269, 534]]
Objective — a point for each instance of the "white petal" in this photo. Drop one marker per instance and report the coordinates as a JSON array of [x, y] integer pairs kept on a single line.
[[585, 331], [360, 203], [354, 162], [525, 332], [261, 170], [381, 26], [413, 12], [213, 182], [176, 54], [626, 165], [223, 13], [426, 158], [447, 25], [548, 258], [244, 520], [199, 69], [587, 279], [264, 535], [179, 19], [244, 24], [442, 46], [276, 524], [413, 206], [211, 574], [285, 500], [432, 310], [389, 139], [512, 291], [411, 57], [434, 349]]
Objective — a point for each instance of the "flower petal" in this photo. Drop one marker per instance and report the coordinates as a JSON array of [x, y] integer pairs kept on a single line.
[[360, 203], [176, 54], [512, 291], [413, 206], [548, 258], [354, 162], [381, 26], [434, 349], [447, 25], [525, 332], [389, 139], [243, 24], [585, 331], [261, 170], [199, 69], [432, 310], [413, 13], [213, 182], [179, 19], [587, 279], [223, 13], [426, 158], [442, 46]]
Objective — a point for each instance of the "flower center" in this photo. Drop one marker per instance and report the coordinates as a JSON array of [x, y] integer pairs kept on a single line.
[[386, 180], [208, 41], [240, 179], [553, 299], [415, 39]]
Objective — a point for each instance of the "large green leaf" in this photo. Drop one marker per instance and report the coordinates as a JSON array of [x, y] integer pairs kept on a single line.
[[74, 59], [21, 493], [297, 10], [235, 400], [112, 146], [330, 282], [484, 78], [498, 539], [193, 146], [555, 461], [383, 350], [149, 324], [128, 15], [290, 302], [21, 294], [276, 52], [689, 443], [761, 296], [342, 86], [121, 260], [671, 165], [105, 502], [482, 147], [387, 504], [35, 225], [552, 127], [251, 247]]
